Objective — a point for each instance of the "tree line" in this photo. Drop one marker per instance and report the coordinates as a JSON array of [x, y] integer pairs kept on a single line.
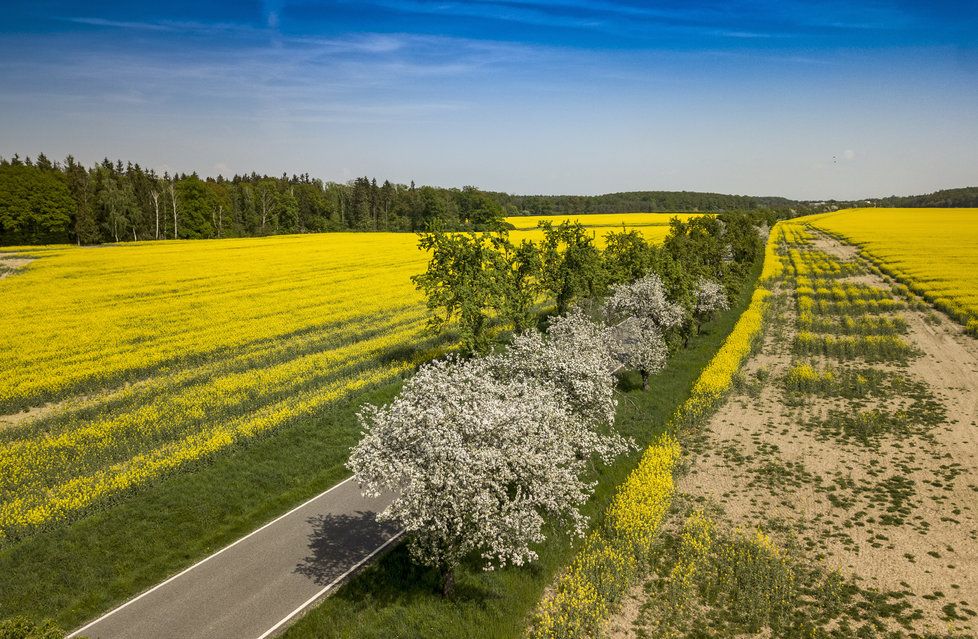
[[642, 202], [57, 202], [483, 451], [474, 279], [44, 202]]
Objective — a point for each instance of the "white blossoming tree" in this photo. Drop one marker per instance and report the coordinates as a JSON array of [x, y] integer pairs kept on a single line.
[[763, 231], [638, 344], [710, 299], [573, 357], [645, 299], [477, 463]]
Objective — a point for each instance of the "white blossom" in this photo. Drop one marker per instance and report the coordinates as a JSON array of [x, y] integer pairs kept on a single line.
[[763, 231], [638, 344], [573, 358], [477, 461], [710, 297], [645, 299]]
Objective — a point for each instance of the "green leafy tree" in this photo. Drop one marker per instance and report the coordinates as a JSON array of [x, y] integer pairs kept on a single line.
[[85, 224], [195, 203], [465, 283], [287, 211], [119, 204], [520, 280], [627, 256], [478, 209], [571, 263], [35, 205]]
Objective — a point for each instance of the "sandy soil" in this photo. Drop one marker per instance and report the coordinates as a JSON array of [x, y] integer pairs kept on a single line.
[[13, 263], [897, 514], [15, 419]]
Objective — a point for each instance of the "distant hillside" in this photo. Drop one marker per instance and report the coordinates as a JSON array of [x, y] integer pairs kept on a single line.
[[640, 201], [651, 201], [966, 197]]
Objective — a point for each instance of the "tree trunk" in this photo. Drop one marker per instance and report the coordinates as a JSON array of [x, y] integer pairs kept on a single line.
[[173, 201], [156, 207], [447, 581], [563, 301], [645, 380]]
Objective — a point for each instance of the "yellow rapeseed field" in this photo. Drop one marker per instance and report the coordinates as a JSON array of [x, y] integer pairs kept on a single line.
[[934, 251], [154, 355], [653, 226], [136, 359]]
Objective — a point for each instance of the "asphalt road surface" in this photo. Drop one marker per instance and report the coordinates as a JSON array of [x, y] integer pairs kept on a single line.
[[254, 587]]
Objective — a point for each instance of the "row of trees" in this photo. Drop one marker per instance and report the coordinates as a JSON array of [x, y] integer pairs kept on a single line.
[[481, 452], [476, 279], [51, 202], [643, 202]]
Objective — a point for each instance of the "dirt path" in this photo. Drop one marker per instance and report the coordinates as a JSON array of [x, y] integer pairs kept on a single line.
[[879, 483]]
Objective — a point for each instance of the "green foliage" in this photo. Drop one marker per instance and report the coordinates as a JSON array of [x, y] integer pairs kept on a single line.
[[520, 281], [467, 282], [699, 245], [23, 628], [479, 210], [114, 202], [118, 202], [627, 256], [572, 266], [644, 201], [194, 202], [35, 205], [474, 279]]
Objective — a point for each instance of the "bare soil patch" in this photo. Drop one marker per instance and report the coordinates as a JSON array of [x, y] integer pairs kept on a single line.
[[879, 488], [9, 264]]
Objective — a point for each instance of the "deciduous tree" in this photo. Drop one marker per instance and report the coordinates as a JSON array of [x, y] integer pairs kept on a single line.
[[571, 263], [478, 464]]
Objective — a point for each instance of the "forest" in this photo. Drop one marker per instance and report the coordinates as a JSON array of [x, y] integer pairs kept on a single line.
[[43, 202], [46, 202]]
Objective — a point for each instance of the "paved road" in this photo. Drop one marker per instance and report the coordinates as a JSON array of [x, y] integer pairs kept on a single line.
[[254, 587]]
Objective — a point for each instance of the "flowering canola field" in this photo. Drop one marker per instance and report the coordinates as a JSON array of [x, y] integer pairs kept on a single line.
[[934, 251], [133, 360], [654, 226]]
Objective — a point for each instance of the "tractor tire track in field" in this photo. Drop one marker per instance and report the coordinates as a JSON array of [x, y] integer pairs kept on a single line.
[[256, 586]]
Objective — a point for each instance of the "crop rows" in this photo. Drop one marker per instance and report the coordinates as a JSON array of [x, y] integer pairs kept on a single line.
[[933, 251], [137, 360]]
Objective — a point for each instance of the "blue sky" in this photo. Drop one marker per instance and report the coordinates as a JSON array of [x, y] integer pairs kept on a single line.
[[804, 99]]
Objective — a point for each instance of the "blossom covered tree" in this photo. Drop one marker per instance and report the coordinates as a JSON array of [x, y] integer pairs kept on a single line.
[[645, 299], [478, 463], [638, 344], [710, 298], [573, 357]]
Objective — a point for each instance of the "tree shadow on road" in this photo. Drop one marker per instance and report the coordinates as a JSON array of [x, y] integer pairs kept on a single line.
[[339, 542]]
